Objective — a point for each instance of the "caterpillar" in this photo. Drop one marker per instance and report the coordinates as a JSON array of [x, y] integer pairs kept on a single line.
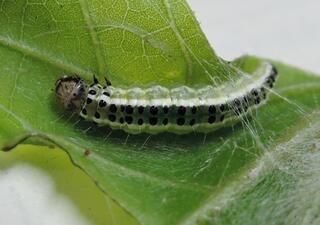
[[158, 109]]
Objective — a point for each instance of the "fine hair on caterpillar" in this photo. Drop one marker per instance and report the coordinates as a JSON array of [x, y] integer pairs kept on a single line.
[[158, 109]]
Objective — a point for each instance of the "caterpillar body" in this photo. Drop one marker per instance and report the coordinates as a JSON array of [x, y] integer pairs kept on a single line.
[[159, 109]]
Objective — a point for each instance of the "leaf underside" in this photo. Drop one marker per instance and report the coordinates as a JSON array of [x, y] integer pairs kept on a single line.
[[220, 178]]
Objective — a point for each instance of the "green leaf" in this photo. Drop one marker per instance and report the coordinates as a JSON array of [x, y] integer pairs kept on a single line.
[[63, 180], [162, 179]]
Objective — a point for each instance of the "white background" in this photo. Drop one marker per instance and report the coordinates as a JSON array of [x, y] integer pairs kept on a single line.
[[287, 30]]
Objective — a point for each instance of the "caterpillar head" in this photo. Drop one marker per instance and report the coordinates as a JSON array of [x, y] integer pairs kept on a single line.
[[71, 92]]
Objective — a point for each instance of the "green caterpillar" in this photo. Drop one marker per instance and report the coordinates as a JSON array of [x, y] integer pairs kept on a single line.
[[158, 109]]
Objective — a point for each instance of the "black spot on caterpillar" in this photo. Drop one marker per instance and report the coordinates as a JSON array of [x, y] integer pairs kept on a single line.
[[158, 109]]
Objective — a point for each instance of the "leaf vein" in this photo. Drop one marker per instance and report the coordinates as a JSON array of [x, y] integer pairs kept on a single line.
[[45, 57], [181, 42], [94, 37]]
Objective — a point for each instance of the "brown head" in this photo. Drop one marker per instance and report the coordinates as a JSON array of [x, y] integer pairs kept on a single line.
[[71, 92]]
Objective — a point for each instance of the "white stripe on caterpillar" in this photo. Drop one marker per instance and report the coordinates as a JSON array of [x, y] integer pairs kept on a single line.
[[158, 109]]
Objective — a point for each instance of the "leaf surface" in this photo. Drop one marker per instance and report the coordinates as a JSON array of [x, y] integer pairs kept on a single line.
[[162, 179]]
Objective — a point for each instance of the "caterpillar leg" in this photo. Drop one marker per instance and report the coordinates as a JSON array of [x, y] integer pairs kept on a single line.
[[95, 80], [108, 82]]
